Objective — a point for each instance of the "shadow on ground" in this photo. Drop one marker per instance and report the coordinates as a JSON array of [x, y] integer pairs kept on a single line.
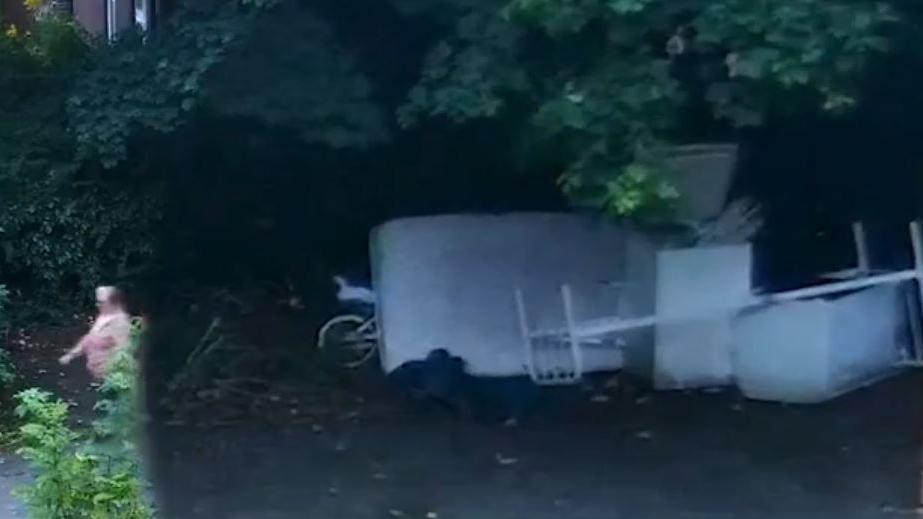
[[667, 455]]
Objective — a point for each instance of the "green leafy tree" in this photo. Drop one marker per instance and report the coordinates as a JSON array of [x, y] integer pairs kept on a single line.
[[39, 230], [611, 81], [82, 120], [7, 369], [73, 103], [288, 72], [294, 74], [138, 84]]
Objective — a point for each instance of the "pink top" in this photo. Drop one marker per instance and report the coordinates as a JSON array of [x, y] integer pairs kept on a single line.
[[109, 333]]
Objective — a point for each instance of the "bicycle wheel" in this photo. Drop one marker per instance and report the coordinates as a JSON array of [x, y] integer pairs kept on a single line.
[[351, 340]]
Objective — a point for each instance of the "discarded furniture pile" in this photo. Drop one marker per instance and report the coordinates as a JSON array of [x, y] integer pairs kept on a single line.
[[557, 296], [706, 326]]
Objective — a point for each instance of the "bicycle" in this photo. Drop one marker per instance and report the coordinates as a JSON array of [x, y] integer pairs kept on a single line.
[[352, 335]]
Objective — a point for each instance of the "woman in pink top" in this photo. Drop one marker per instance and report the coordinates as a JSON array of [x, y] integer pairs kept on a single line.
[[110, 331]]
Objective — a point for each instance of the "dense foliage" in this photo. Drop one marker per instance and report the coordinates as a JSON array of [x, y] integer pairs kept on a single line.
[[62, 224], [98, 140], [79, 120], [308, 83], [613, 81], [7, 369], [140, 84]]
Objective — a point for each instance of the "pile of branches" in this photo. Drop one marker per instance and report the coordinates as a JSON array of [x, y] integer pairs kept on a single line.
[[225, 380]]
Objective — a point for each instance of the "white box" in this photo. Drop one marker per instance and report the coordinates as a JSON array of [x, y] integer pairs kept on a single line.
[[698, 292], [815, 350]]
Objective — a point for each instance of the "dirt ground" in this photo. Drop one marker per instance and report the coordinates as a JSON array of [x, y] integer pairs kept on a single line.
[[635, 456], [664, 455], [35, 357]]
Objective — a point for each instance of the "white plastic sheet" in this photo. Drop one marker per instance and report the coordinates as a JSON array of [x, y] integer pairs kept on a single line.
[[448, 282]]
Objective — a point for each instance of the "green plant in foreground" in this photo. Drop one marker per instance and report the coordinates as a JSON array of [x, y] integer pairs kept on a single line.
[[79, 477], [116, 431]]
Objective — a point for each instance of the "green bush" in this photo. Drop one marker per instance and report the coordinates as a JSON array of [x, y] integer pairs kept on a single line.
[[94, 476], [116, 431], [610, 84], [63, 224], [7, 370]]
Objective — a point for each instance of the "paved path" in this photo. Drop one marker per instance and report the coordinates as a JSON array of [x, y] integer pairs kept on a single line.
[[13, 472]]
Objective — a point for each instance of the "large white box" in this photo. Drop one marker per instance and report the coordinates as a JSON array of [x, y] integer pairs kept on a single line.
[[698, 293], [815, 350]]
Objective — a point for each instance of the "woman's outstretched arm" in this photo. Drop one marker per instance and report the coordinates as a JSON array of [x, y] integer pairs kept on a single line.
[[76, 351]]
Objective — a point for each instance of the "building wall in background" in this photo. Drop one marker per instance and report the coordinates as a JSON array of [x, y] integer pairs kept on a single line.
[[14, 12], [92, 15]]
